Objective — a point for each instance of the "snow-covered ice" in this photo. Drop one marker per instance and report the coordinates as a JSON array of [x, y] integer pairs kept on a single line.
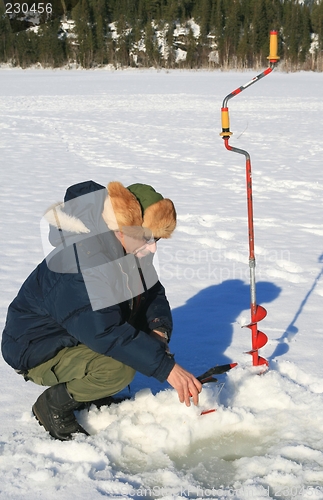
[[266, 438]]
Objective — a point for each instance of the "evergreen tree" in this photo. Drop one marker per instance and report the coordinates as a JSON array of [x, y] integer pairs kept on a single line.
[[274, 10], [305, 34], [245, 56], [143, 13], [259, 32], [100, 16], [170, 60], [296, 40], [218, 23], [317, 22], [25, 51], [191, 51], [82, 16], [123, 42], [50, 48], [6, 37], [231, 34], [203, 17], [152, 52]]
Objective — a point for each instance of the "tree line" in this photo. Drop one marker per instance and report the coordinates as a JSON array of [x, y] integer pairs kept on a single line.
[[168, 34]]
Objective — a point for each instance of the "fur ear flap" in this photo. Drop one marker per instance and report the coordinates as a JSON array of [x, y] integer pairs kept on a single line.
[[121, 208], [160, 218]]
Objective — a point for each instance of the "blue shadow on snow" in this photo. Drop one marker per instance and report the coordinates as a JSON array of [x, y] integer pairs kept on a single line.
[[292, 330], [203, 326]]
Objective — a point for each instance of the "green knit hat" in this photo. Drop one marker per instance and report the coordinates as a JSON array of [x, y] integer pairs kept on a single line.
[[145, 194]]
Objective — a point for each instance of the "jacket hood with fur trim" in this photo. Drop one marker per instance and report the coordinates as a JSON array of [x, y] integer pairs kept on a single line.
[[79, 214]]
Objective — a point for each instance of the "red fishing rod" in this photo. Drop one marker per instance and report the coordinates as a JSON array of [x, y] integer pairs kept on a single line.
[[258, 338]]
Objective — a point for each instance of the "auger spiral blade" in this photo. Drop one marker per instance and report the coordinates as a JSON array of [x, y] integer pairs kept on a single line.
[[259, 340], [259, 315]]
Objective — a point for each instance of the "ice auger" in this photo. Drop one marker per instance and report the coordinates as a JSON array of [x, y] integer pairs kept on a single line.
[[258, 338]]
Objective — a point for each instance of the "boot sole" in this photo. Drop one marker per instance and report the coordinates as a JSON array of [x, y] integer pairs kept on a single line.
[[38, 417]]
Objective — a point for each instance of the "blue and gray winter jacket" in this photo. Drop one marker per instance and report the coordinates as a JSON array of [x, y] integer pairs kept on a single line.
[[88, 291]]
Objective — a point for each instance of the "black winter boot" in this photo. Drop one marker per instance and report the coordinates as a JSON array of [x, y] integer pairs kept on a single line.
[[54, 410]]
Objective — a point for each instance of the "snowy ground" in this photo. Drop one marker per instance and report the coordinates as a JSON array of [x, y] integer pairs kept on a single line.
[[265, 439]]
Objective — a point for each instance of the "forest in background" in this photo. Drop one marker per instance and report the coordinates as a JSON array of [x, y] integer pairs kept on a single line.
[[223, 34]]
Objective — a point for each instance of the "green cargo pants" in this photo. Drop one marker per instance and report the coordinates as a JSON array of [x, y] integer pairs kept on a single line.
[[87, 374]]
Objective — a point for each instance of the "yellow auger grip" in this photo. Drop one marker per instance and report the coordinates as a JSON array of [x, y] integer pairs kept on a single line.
[[273, 47], [225, 122]]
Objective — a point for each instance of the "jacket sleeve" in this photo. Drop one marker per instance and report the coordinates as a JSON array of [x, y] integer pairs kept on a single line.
[[104, 330], [158, 312]]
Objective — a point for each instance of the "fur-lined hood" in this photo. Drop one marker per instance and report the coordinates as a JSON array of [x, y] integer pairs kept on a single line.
[[79, 215]]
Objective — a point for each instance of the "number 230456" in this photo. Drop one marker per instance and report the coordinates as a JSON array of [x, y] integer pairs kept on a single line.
[[23, 8]]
